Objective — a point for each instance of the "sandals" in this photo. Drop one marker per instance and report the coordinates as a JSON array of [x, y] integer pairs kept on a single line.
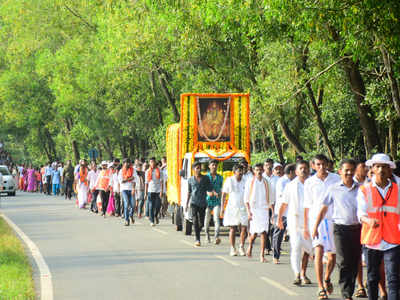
[[322, 294], [361, 293], [306, 280], [328, 286]]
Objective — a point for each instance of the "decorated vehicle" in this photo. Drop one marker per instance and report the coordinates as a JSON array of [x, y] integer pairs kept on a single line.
[[212, 126]]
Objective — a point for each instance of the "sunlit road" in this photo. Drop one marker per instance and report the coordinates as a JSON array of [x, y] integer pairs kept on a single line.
[[95, 258]]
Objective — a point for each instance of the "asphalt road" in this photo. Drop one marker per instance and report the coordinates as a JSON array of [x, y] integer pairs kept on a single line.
[[95, 258]]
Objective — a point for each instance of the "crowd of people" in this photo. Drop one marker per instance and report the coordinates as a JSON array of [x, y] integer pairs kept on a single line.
[[346, 218]]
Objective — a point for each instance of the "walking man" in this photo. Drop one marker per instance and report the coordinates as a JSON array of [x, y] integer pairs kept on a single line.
[[280, 187], [293, 202], [140, 189], [153, 191], [103, 185], [342, 197], [235, 214], [69, 179], [92, 178], [315, 189], [48, 172], [214, 201], [257, 197], [199, 185], [379, 213], [115, 184], [127, 186]]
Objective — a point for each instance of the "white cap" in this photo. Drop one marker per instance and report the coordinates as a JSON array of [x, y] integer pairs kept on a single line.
[[110, 164], [380, 158], [276, 164], [104, 163]]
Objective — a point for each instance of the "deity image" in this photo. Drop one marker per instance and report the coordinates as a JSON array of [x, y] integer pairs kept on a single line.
[[214, 120]]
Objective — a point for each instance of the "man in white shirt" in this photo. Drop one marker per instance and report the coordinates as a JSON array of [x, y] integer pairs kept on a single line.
[[164, 201], [315, 189], [247, 174], [235, 213], [92, 178], [127, 186], [257, 199], [268, 174], [153, 191], [289, 171], [115, 188], [293, 204]]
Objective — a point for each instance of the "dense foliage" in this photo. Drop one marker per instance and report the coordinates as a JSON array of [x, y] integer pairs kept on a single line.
[[75, 75]]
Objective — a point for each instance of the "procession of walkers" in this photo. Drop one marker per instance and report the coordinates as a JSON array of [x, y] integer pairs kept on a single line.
[[349, 218]]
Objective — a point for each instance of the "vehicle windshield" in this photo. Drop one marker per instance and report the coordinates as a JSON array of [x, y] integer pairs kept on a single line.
[[4, 171], [224, 167]]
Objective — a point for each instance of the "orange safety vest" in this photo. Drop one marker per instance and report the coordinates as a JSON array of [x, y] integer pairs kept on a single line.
[[387, 211], [104, 180]]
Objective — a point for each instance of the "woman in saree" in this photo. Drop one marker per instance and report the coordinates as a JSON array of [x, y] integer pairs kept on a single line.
[[31, 179]]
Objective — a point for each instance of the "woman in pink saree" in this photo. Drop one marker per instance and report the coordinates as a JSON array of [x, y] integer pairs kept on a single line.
[[31, 179]]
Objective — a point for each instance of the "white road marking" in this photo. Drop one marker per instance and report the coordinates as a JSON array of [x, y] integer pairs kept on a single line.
[[160, 231], [279, 286], [187, 243], [46, 285], [227, 260]]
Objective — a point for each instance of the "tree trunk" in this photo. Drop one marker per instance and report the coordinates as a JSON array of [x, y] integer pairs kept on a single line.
[[45, 145], [277, 143], [365, 113], [314, 103], [153, 90], [75, 149], [290, 137], [132, 147], [394, 87], [393, 139], [108, 148], [100, 152], [167, 94], [122, 147], [318, 118], [367, 120]]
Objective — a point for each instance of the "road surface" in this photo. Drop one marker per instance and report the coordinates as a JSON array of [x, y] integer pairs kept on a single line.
[[95, 258]]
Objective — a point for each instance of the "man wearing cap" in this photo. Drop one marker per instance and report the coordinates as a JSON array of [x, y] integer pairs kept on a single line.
[[103, 185], [379, 213]]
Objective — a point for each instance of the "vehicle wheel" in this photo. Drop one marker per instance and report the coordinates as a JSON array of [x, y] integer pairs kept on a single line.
[[178, 217], [188, 227]]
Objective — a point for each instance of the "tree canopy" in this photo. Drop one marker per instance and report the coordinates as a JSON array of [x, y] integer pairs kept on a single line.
[[75, 75]]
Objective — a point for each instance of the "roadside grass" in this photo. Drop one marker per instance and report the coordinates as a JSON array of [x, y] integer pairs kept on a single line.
[[15, 270]]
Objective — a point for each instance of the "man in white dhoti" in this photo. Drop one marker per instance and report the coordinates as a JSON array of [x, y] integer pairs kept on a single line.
[[293, 203], [315, 189], [247, 174], [257, 195], [83, 186], [235, 212]]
